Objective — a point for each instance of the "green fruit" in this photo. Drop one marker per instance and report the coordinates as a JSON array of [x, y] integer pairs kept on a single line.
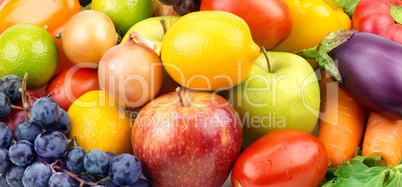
[[287, 97], [28, 48], [124, 13], [152, 29]]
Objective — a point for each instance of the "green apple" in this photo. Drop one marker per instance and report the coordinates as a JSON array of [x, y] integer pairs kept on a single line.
[[153, 30], [282, 91], [124, 13]]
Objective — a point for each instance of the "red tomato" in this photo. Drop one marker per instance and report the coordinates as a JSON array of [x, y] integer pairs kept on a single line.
[[68, 85], [283, 157], [270, 21]]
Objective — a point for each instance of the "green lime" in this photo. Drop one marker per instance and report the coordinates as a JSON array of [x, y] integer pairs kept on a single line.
[[124, 13], [28, 48]]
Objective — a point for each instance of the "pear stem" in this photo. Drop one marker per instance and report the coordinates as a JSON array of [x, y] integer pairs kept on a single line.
[[267, 58]]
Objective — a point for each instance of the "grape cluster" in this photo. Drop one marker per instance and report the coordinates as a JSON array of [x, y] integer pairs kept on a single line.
[[183, 7], [38, 155]]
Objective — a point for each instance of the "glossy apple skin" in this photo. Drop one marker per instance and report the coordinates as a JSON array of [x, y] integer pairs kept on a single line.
[[270, 21], [16, 116], [288, 97], [194, 145]]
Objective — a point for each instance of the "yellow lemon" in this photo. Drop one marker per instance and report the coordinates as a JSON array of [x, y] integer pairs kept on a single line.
[[98, 124], [209, 50]]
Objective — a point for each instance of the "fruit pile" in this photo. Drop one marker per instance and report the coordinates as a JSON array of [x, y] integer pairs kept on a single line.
[[40, 156], [200, 93]]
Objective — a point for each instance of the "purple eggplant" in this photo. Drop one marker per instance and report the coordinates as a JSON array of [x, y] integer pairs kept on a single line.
[[367, 66]]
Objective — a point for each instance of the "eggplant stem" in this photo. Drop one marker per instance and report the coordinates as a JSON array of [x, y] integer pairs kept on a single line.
[[310, 53]]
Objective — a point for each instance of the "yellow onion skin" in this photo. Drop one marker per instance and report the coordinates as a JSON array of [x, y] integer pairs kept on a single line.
[[87, 36], [130, 74]]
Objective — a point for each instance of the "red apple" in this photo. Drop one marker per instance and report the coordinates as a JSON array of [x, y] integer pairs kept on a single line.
[[160, 9], [187, 138], [270, 21], [16, 116]]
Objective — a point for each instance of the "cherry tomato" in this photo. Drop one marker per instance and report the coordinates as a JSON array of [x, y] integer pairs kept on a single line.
[[270, 21], [68, 85], [285, 157]]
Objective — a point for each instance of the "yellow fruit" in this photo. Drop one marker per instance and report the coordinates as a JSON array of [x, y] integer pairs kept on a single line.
[[209, 50], [99, 124], [28, 48]]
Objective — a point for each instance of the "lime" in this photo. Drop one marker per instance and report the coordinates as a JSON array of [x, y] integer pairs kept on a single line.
[[124, 13], [28, 48]]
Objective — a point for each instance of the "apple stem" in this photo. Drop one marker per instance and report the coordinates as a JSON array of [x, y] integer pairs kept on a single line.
[[178, 91], [163, 26], [267, 58]]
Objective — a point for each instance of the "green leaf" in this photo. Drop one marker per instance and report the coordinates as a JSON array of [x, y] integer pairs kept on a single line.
[[88, 7], [394, 178], [396, 13], [347, 5]]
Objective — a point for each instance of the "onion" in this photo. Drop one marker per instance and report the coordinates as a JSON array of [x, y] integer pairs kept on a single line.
[[87, 36], [131, 73]]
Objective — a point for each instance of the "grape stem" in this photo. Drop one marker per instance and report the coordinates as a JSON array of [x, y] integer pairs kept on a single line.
[[24, 95], [55, 167]]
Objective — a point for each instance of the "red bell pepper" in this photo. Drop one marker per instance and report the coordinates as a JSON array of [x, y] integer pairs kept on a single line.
[[381, 17]]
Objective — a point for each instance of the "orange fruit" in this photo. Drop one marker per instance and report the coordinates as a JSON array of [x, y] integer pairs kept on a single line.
[[99, 124]]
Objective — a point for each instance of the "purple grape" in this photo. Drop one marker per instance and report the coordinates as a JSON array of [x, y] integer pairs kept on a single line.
[[108, 183], [14, 176], [170, 2], [5, 106], [4, 160], [187, 6], [3, 180], [125, 169], [51, 144], [63, 123], [22, 153], [96, 162], [37, 174], [45, 111], [141, 183], [6, 135], [27, 130], [9, 85], [60, 179], [74, 160]]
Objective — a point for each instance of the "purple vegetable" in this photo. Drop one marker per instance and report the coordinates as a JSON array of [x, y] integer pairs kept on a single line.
[[367, 66]]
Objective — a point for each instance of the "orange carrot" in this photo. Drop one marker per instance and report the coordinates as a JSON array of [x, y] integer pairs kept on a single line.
[[341, 122], [383, 137]]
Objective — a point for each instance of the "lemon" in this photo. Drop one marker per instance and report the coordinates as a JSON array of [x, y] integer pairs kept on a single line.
[[209, 50], [28, 48], [124, 13], [99, 124]]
